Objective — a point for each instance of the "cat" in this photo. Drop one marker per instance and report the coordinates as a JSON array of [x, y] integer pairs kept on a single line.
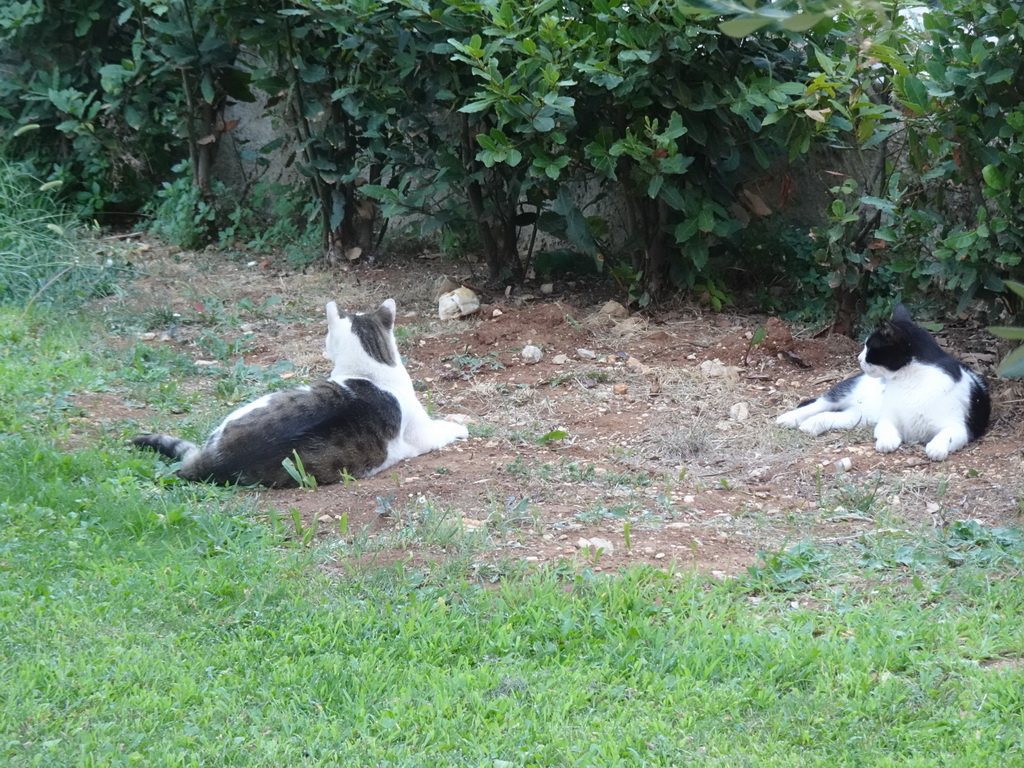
[[361, 420], [911, 390]]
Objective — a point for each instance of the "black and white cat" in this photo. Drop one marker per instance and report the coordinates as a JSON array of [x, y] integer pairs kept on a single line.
[[363, 419], [911, 390]]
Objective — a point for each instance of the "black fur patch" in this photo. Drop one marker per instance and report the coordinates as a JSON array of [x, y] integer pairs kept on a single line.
[[980, 409], [900, 341], [841, 390]]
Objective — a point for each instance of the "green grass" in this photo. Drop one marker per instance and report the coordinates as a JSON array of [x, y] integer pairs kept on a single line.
[[146, 621], [42, 257]]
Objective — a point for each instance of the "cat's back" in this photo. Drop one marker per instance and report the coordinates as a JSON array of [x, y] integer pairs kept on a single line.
[[332, 425]]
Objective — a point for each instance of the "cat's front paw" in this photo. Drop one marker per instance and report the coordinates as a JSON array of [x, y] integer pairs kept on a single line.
[[887, 438], [790, 419], [817, 424]]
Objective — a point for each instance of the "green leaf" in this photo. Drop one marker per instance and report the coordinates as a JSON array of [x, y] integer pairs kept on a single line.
[[543, 124], [1016, 287], [801, 22], [916, 94], [743, 26], [1012, 366], [1007, 332], [673, 198], [993, 177], [686, 230], [675, 127], [961, 240], [552, 437], [314, 73], [654, 186], [132, 116], [206, 86], [880, 203], [476, 106], [706, 219]]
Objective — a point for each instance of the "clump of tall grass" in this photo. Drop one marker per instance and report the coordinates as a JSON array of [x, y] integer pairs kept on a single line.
[[43, 254]]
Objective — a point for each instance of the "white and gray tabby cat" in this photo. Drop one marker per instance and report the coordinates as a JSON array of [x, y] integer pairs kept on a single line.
[[911, 390], [363, 419]]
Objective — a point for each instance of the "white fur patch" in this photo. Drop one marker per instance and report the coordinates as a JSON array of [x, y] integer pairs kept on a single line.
[[919, 403], [419, 433]]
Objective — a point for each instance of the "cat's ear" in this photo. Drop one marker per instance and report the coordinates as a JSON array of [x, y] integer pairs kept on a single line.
[[386, 313], [900, 314], [332, 312]]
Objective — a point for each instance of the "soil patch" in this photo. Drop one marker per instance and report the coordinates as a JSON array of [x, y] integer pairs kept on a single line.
[[653, 434]]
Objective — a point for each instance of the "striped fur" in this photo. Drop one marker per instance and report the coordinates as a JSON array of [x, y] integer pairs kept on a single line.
[[364, 418]]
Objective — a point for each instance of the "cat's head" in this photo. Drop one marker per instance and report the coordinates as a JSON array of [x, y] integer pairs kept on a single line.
[[895, 344], [358, 341]]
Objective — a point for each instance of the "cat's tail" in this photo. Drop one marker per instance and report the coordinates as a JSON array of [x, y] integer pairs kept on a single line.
[[172, 447]]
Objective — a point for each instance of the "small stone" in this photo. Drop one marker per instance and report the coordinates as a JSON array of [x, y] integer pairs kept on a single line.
[[532, 354], [604, 545], [205, 363], [613, 309], [688, 499], [596, 544], [547, 288], [586, 354], [660, 556], [147, 336], [760, 473], [166, 337], [621, 389], [739, 412], [497, 313], [713, 368], [844, 464], [717, 369], [560, 359], [326, 519]]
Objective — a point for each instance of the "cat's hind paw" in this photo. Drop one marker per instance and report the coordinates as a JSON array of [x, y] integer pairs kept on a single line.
[[449, 431]]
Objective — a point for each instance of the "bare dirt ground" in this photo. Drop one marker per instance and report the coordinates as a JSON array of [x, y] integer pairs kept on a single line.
[[654, 433]]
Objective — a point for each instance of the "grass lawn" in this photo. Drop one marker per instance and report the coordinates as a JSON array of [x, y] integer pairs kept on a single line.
[[150, 622]]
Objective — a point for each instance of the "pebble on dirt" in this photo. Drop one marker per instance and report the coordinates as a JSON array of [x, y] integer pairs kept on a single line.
[[532, 354], [595, 544]]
